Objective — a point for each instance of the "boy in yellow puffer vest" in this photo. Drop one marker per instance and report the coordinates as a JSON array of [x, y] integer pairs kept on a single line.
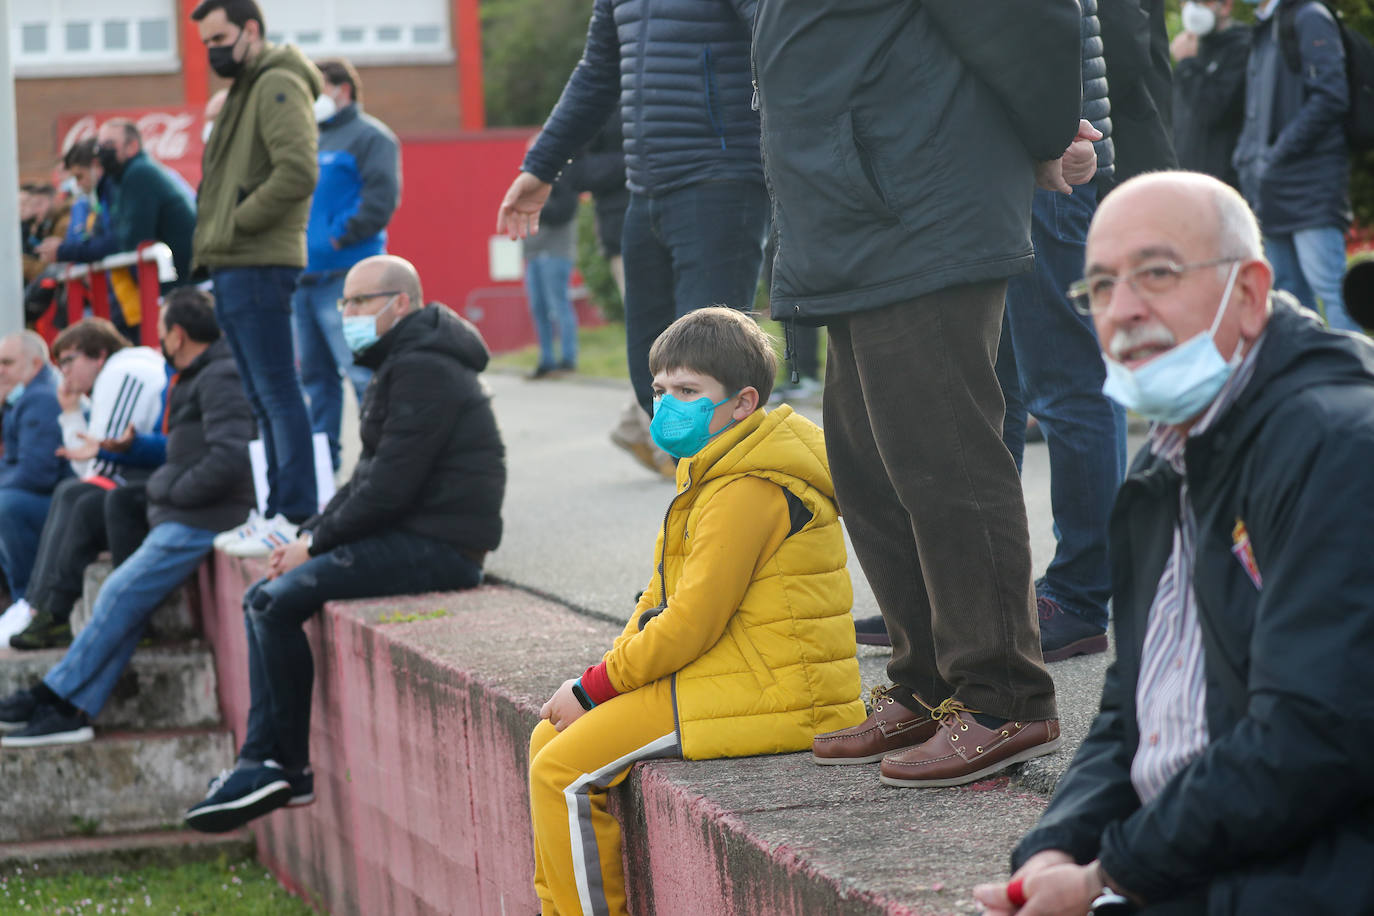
[[743, 641]]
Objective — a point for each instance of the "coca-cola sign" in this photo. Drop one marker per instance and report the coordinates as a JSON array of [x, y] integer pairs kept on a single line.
[[170, 135]]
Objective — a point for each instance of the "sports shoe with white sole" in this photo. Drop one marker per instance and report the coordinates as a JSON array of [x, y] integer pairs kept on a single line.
[[15, 620], [271, 534], [49, 725], [238, 796], [247, 529]]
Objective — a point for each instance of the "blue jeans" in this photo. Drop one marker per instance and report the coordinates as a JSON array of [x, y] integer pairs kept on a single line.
[[166, 558], [253, 305], [21, 525], [696, 246], [281, 671], [324, 357], [1310, 264], [546, 287], [1049, 364]]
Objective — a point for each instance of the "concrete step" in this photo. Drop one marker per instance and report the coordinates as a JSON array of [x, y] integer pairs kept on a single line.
[[176, 619], [122, 851], [120, 783], [164, 686]]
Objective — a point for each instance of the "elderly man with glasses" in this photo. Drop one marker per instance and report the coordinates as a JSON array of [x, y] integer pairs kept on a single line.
[[1226, 771], [419, 514]]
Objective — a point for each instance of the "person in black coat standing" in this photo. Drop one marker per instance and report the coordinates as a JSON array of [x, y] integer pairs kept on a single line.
[[1209, 88], [419, 514], [1227, 769]]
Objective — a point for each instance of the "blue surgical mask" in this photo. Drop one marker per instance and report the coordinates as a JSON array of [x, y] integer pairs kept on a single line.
[[682, 428], [1179, 384], [360, 331], [15, 394]]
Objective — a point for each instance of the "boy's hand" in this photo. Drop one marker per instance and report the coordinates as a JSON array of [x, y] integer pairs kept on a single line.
[[562, 709]]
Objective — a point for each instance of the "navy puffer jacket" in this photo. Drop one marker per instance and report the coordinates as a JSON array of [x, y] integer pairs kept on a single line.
[[680, 69], [1097, 108]]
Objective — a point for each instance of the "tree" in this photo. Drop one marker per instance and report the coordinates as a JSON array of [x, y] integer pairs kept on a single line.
[[529, 47]]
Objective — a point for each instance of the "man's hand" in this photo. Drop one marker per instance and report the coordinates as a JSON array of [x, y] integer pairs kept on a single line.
[[562, 709], [68, 398], [1049, 175], [47, 249], [288, 557], [87, 450], [519, 213], [1183, 46], [121, 444], [1079, 162], [1075, 166], [993, 897]]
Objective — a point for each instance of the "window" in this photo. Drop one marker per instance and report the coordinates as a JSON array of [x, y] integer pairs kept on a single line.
[[93, 36], [363, 30]]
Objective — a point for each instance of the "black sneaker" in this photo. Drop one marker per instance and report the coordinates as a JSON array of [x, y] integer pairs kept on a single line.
[[17, 709], [43, 632], [1064, 635], [238, 796], [302, 788], [542, 372], [50, 725], [872, 631]]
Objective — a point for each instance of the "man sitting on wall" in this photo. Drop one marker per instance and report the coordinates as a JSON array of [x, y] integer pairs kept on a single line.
[[419, 514], [204, 487]]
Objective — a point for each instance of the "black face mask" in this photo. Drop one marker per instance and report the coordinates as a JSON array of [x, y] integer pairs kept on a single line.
[[222, 59], [109, 161]]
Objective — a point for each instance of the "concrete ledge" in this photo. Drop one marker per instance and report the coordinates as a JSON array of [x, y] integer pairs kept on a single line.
[[422, 712], [121, 782], [123, 851], [164, 686]]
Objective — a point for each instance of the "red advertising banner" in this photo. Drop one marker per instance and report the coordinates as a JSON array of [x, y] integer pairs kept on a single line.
[[171, 135]]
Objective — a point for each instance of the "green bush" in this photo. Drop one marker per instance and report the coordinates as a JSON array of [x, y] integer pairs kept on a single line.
[[596, 273], [528, 49]]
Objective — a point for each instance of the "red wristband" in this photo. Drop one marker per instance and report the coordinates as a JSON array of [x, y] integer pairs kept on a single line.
[[1015, 894]]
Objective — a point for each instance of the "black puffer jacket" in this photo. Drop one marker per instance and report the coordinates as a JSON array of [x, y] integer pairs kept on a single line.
[[680, 70], [207, 481], [1277, 813], [1097, 106], [896, 142], [433, 463]]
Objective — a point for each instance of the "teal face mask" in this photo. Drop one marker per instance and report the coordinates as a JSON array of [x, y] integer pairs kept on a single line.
[[360, 331], [1179, 384], [682, 428], [15, 394]]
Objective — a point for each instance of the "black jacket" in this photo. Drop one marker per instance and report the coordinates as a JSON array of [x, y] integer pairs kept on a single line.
[[1209, 103], [1277, 813], [432, 463], [207, 481], [600, 169], [1292, 158], [895, 147], [1136, 44], [680, 72]]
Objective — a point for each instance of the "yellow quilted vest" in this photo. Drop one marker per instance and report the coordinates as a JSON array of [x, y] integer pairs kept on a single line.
[[784, 670]]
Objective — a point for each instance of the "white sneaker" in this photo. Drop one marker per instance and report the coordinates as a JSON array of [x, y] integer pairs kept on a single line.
[[15, 620], [247, 530], [273, 533]]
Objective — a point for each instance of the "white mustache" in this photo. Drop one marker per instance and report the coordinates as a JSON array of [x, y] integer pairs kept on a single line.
[[1126, 339]]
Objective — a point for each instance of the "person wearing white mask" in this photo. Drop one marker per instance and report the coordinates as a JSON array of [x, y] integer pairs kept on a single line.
[[358, 191], [1226, 771], [1209, 88]]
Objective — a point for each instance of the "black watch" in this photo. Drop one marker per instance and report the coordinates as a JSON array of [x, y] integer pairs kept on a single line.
[[1110, 903], [581, 695]]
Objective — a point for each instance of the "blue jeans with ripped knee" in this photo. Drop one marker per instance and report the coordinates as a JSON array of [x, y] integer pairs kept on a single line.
[[281, 671]]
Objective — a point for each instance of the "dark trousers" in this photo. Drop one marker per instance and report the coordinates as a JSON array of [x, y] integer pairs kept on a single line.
[[689, 248], [932, 500], [281, 670], [84, 520]]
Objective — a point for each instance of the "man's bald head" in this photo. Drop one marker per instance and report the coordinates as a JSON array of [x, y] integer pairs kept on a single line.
[[383, 285], [1194, 208], [387, 271], [22, 356]]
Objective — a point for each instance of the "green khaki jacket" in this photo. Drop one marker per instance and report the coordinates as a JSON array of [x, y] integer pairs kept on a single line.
[[260, 166]]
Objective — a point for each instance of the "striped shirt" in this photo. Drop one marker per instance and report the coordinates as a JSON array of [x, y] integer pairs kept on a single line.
[[1171, 691]]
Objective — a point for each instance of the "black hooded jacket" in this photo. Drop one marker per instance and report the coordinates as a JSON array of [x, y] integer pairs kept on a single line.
[[433, 463], [1276, 815]]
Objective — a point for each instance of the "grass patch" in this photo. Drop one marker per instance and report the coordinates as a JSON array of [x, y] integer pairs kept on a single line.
[[398, 617], [223, 888], [601, 352]]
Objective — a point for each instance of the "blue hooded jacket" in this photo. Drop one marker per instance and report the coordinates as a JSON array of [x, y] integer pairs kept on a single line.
[[358, 190]]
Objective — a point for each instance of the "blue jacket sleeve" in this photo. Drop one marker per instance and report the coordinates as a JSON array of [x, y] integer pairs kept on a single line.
[[99, 245], [38, 469], [1326, 94], [148, 450], [587, 100], [379, 166]]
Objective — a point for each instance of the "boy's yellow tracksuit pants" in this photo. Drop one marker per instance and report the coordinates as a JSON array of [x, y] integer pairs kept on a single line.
[[577, 864]]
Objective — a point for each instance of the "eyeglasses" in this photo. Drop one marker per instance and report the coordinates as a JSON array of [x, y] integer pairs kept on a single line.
[[66, 361], [1092, 295], [362, 298]]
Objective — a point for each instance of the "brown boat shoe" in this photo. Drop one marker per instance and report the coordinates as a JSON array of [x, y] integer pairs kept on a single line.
[[962, 751], [890, 727]]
